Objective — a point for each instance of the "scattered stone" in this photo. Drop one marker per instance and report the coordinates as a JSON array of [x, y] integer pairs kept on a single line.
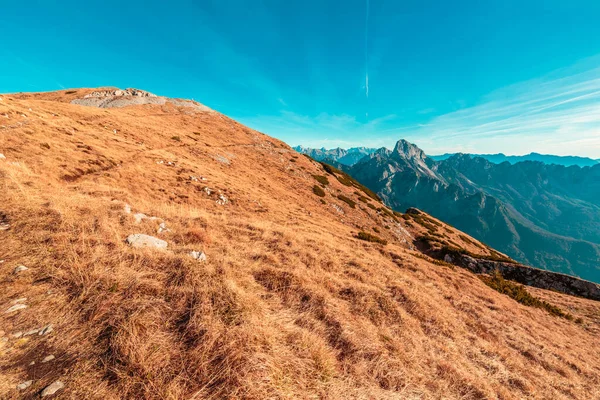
[[222, 160], [207, 190], [20, 268], [2, 156], [198, 255], [17, 335], [19, 300], [127, 208], [31, 332], [222, 200], [194, 178], [24, 385], [140, 240], [139, 217], [16, 307], [4, 226], [32, 363], [46, 330], [53, 388], [163, 228], [48, 358], [2, 261]]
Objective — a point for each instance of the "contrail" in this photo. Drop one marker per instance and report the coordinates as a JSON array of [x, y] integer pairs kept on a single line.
[[367, 51]]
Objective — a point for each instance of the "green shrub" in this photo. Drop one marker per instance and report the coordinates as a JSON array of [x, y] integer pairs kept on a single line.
[[346, 200], [518, 292], [321, 179], [371, 206], [176, 138], [370, 238], [318, 191]]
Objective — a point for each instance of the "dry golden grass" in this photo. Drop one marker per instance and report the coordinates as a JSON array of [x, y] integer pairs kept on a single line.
[[289, 303]]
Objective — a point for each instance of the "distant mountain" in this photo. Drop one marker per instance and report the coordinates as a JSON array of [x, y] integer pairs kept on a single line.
[[545, 158], [543, 215], [346, 157]]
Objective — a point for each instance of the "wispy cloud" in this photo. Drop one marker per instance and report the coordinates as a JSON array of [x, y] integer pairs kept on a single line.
[[557, 114]]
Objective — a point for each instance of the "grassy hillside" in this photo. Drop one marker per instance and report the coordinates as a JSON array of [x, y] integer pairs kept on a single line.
[[290, 301]]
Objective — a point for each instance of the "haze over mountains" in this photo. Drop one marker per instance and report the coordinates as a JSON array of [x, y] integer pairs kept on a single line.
[[545, 158], [544, 215]]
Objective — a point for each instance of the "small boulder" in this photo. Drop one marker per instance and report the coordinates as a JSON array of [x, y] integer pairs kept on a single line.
[[163, 228], [46, 330], [48, 358], [2, 156], [53, 388], [139, 217], [20, 268], [16, 307], [139, 240], [24, 385], [198, 255]]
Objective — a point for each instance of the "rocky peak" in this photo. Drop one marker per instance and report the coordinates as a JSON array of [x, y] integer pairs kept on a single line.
[[409, 151]]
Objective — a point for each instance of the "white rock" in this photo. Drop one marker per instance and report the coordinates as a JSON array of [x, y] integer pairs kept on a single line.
[[20, 300], [127, 208], [207, 190], [4, 226], [2, 156], [46, 330], [140, 240], [16, 307], [163, 228], [31, 332], [20, 268], [48, 358], [24, 385], [17, 335], [222, 200], [53, 388], [198, 255], [139, 217]]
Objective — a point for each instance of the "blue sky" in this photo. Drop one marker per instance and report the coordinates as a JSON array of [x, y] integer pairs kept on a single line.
[[473, 76]]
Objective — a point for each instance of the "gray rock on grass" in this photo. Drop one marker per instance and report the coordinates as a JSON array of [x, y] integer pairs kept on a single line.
[[140, 240], [53, 388]]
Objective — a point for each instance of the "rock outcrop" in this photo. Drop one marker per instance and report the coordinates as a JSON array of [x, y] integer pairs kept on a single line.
[[116, 98], [529, 276]]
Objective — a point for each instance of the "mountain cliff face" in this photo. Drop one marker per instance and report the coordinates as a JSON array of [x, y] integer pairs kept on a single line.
[[542, 215]]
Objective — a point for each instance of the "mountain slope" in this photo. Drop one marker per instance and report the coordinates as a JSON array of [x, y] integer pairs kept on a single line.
[[288, 303], [547, 216]]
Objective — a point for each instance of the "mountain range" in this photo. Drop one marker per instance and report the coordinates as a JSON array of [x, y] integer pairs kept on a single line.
[[544, 215], [351, 156], [338, 155], [545, 158]]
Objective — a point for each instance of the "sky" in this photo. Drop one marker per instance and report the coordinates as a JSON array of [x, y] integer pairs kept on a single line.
[[470, 76]]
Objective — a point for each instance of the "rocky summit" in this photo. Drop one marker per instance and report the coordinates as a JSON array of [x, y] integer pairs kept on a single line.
[[170, 252]]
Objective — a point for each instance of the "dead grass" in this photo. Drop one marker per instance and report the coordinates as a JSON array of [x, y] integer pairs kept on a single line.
[[288, 303]]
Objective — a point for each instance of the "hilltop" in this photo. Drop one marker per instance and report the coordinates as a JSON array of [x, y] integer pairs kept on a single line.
[[282, 277]]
